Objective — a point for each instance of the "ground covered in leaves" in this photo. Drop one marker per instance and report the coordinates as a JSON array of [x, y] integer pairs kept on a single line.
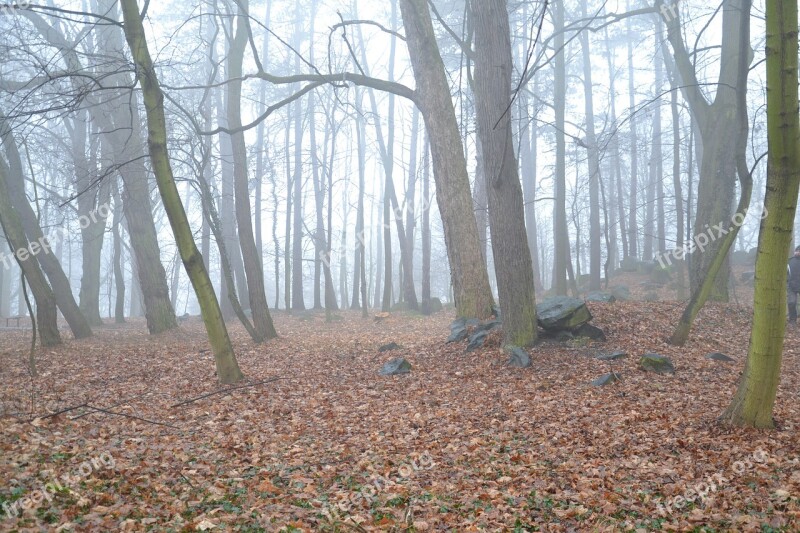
[[321, 442]]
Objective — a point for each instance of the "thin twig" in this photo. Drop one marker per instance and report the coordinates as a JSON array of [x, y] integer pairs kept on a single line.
[[223, 391], [106, 411]]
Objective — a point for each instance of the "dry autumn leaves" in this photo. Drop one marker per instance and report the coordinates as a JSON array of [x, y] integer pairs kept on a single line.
[[316, 440]]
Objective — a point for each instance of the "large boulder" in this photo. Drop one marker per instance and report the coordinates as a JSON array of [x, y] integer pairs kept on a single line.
[[602, 297], [562, 313]]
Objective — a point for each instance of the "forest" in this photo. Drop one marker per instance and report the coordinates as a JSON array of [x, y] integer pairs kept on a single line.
[[406, 265]]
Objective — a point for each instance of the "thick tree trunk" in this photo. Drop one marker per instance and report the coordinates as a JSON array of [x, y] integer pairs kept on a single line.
[[512, 257], [755, 397], [473, 296]]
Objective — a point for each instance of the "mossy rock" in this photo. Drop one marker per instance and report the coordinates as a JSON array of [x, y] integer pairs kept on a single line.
[[653, 362]]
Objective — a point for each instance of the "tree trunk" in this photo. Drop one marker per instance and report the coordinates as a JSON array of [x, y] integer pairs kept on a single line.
[[15, 182], [473, 296], [46, 314], [254, 271], [560, 233], [512, 257], [633, 223], [227, 366], [595, 230], [754, 401]]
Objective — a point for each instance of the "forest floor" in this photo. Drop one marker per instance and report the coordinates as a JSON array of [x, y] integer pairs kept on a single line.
[[461, 443]]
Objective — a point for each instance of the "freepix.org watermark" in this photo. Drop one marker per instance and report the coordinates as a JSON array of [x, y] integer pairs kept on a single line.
[[35, 498], [45, 244], [12, 8], [702, 240]]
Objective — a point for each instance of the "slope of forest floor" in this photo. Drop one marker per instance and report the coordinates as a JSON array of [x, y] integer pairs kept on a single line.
[[462, 443]]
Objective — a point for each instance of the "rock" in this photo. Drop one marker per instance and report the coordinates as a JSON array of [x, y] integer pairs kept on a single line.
[[621, 292], [590, 332], [562, 313], [476, 340], [473, 323], [458, 331], [606, 379], [563, 336], [396, 367], [716, 356], [603, 297], [519, 358], [659, 364], [614, 356], [488, 326], [435, 305], [389, 347], [747, 276]]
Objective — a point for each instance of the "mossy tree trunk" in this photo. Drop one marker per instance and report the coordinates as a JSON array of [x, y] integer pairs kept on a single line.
[[755, 398], [227, 366]]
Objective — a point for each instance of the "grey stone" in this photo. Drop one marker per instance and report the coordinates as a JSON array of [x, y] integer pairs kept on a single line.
[[519, 358], [562, 313], [476, 340], [396, 367], [621, 292], [458, 331], [653, 362], [591, 332], [602, 297], [716, 356], [651, 297], [614, 356], [389, 347], [606, 379]]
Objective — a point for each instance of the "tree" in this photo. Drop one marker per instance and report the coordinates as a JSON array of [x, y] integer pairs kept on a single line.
[[512, 257], [46, 315], [473, 296], [262, 321], [227, 366], [755, 397], [724, 130], [718, 121], [15, 182]]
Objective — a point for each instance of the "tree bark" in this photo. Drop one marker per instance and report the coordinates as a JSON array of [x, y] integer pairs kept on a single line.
[[46, 313], [512, 257], [227, 366], [473, 296], [754, 401], [254, 270]]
